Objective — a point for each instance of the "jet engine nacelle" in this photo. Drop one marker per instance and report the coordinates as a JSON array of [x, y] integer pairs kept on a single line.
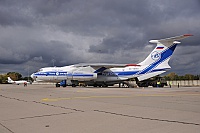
[[81, 76]]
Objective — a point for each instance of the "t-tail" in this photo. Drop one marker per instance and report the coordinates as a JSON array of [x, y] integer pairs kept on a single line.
[[157, 61], [10, 80]]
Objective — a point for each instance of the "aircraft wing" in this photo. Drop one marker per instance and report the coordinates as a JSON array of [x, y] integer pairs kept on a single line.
[[106, 65], [100, 67]]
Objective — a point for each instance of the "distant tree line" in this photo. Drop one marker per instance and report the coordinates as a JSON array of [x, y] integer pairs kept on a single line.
[[174, 76], [13, 76]]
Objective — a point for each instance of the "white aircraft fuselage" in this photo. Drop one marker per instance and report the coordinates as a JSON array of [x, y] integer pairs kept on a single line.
[[17, 82]]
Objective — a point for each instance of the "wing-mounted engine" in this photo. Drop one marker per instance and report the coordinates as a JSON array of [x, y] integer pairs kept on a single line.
[[83, 73], [82, 76]]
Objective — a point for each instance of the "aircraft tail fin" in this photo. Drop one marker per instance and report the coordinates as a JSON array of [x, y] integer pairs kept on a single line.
[[10, 80], [158, 59], [164, 49]]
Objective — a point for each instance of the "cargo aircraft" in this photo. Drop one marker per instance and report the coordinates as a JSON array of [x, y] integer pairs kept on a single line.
[[104, 74]]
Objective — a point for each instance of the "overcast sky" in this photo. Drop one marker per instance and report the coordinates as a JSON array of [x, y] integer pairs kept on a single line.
[[40, 33]]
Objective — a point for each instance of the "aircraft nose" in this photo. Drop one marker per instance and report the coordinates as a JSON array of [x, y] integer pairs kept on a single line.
[[33, 76]]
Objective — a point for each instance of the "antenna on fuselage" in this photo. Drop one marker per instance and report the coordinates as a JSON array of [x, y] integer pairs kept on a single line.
[[53, 60]]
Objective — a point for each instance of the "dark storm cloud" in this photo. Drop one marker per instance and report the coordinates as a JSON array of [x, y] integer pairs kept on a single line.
[[33, 33], [112, 44], [33, 49], [15, 13], [150, 20]]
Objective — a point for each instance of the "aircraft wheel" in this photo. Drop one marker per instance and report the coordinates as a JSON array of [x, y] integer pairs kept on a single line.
[[57, 85], [104, 85], [73, 85], [95, 85], [64, 85]]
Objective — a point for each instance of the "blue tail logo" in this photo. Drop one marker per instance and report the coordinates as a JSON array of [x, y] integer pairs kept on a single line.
[[155, 55]]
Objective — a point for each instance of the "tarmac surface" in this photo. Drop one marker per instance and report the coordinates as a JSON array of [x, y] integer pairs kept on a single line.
[[47, 109]]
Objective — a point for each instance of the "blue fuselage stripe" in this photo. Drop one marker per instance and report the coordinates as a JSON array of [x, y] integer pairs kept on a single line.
[[61, 74]]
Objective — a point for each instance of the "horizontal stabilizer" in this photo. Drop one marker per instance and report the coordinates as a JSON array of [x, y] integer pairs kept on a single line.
[[176, 38], [171, 40]]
